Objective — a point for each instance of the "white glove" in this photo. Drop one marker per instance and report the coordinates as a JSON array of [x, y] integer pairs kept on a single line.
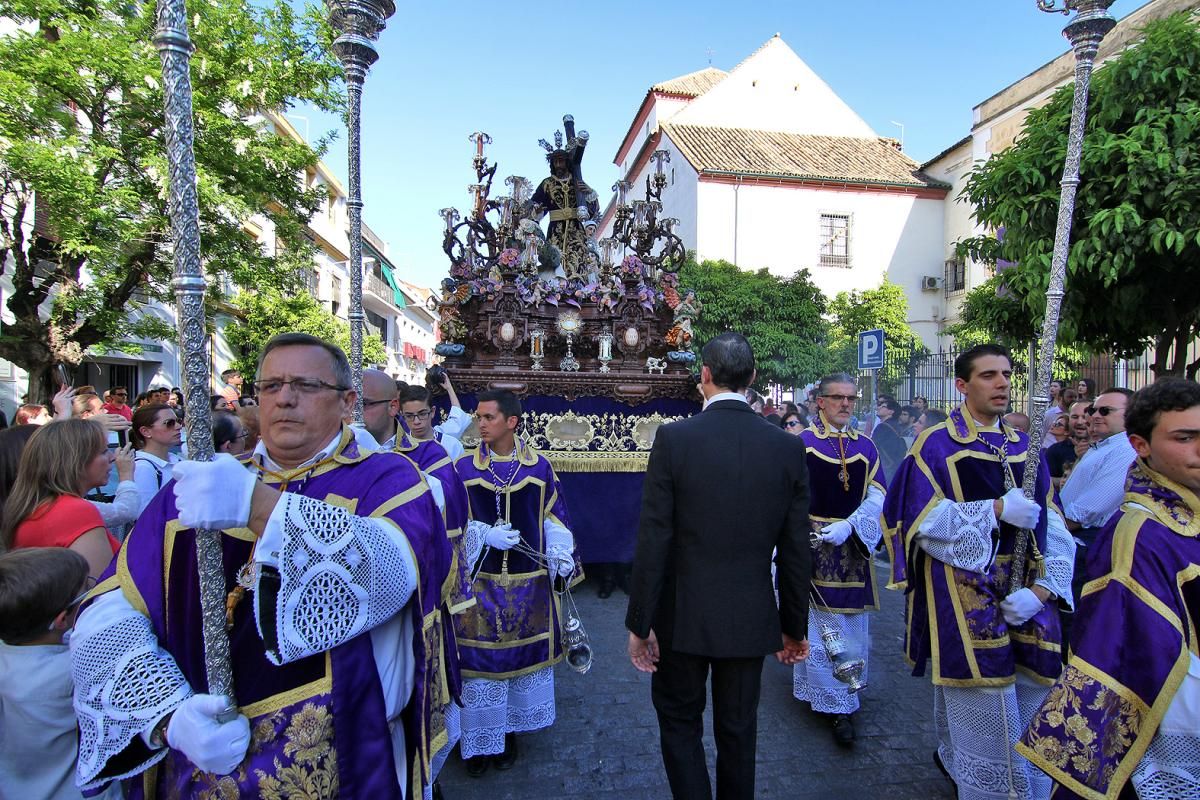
[[1020, 606], [1017, 509], [561, 564], [215, 747], [836, 533], [363, 437], [502, 536], [213, 495]]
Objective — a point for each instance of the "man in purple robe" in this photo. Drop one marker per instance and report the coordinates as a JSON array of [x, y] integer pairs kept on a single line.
[[521, 549], [1124, 717], [846, 498], [951, 518], [340, 658], [382, 407]]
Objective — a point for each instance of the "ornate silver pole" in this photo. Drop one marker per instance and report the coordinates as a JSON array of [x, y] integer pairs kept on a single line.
[[359, 23], [175, 50], [1091, 24]]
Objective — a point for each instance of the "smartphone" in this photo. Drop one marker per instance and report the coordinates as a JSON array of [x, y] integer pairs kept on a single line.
[[114, 440], [61, 371]]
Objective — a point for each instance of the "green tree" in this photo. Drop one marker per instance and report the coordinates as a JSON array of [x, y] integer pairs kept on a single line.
[[81, 129], [1136, 239], [268, 312], [783, 318], [885, 307]]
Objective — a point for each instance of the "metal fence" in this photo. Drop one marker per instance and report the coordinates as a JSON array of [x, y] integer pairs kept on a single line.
[[907, 374]]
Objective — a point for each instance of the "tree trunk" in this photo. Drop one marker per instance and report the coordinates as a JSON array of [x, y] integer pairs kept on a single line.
[[43, 383], [1162, 351]]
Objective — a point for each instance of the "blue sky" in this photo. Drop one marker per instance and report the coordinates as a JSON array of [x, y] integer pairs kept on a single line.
[[513, 69]]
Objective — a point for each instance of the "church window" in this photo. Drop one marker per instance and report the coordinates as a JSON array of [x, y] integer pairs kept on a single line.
[[835, 240]]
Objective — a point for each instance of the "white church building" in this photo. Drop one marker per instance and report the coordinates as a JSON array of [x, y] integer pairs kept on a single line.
[[770, 168]]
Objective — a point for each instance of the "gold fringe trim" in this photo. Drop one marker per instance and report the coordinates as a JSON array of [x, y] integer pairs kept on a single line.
[[597, 462]]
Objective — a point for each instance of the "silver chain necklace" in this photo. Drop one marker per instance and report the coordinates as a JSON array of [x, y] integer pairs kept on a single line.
[[501, 487]]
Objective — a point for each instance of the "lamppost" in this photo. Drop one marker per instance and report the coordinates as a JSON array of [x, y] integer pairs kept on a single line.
[[358, 23], [1091, 24], [175, 50]]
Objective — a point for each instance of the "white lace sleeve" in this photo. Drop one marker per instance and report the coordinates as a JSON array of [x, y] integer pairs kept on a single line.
[[1060, 559], [473, 540], [1171, 766], [124, 684], [865, 518], [960, 534], [327, 576], [123, 509]]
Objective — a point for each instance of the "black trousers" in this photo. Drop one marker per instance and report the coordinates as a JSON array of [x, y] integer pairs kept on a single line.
[[678, 692]]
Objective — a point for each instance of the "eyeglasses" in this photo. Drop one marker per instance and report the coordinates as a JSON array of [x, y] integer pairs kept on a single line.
[[89, 583], [840, 398], [120, 394], [417, 416], [370, 403], [301, 385], [792, 423], [169, 423], [1103, 411]]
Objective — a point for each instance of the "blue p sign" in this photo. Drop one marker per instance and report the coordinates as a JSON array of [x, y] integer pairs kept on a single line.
[[870, 349]]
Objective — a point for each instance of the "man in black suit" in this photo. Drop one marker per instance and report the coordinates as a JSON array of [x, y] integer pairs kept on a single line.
[[723, 490]]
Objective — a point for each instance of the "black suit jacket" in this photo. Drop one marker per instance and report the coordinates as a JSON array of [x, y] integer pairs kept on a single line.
[[722, 490]]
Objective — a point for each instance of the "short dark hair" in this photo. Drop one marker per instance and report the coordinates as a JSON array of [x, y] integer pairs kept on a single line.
[[964, 365], [730, 359], [1118, 390], [505, 400], [887, 402], [341, 364], [1165, 394], [836, 377], [225, 428], [225, 373], [933, 417], [36, 585], [414, 394], [912, 411]]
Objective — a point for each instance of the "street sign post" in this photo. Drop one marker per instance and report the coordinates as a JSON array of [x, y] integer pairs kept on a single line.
[[870, 349], [870, 356]]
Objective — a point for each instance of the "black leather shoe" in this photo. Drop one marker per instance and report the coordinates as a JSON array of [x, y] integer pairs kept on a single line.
[[606, 589], [477, 765], [843, 730], [509, 757], [437, 791]]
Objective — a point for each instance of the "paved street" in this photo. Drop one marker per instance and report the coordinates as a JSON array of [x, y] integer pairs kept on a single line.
[[605, 743]]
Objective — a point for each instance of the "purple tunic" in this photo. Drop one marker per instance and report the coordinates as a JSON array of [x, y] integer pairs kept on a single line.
[[432, 458], [843, 575], [1134, 631], [318, 724], [514, 628], [953, 615]]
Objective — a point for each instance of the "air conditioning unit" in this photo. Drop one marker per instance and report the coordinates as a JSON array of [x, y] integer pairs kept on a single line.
[[930, 283]]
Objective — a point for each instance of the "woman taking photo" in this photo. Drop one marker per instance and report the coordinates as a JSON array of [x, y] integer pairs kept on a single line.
[[155, 431], [62, 462]]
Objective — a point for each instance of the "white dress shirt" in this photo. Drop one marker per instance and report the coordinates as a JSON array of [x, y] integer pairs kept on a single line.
[[716, 398], [1096, 487]]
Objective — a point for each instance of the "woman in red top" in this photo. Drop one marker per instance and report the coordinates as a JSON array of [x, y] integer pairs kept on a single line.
[[63, 461]]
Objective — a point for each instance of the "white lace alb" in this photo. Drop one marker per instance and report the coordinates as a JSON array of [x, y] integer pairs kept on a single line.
[[492, 708], [124, 683], [960, 534], [340, 575]]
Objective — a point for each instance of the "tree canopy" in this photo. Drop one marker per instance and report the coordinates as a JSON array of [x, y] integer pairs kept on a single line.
[[81, 129], [267, 312], [1136, 238], [781, 317]]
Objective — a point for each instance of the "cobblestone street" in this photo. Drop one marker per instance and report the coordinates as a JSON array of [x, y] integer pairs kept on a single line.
[[604, 744]]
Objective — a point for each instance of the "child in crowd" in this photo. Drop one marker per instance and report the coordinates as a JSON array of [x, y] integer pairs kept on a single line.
[[40, 592]]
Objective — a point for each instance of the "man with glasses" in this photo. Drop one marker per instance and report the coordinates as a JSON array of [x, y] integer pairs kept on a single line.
[[1065, 453], [1097, 484], [334, 558], [845, 499], [117, 403]]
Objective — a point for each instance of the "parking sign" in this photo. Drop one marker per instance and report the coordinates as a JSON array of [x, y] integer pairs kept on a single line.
[[870, 349]]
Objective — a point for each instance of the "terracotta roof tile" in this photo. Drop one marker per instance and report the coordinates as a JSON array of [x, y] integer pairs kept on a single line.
[[792, 155], [693, 84]]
